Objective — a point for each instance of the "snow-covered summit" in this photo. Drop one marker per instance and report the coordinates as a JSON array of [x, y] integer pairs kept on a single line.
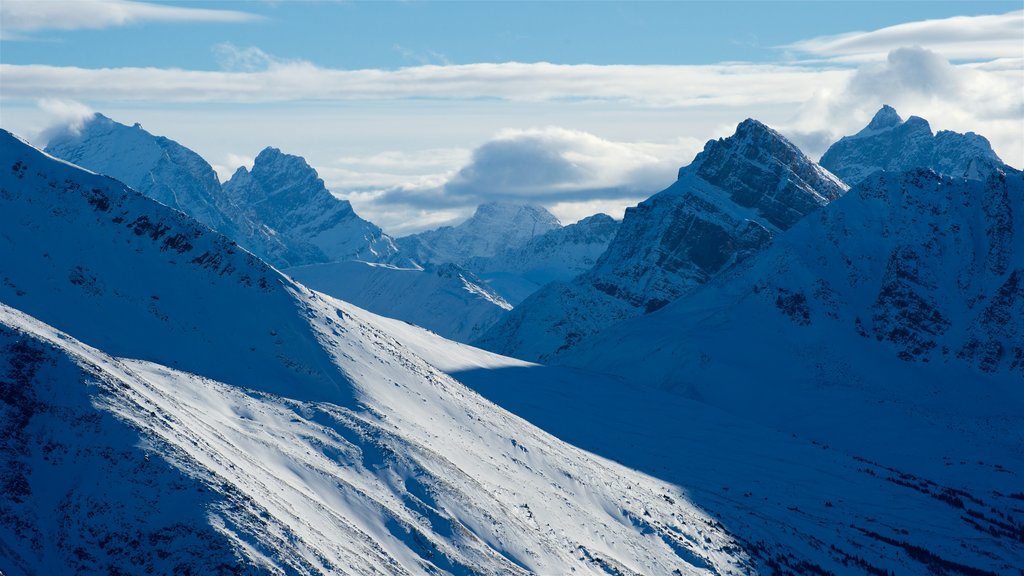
[[286, 194], [885, 118], [494, 227], [175, 176], [725, 206], [890, 143], [154, 165]]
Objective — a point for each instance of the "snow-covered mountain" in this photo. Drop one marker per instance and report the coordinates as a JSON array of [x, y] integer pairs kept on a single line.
[[445, 298], [172, 404], [557, 255], [725, 206], [494, 227], [285, 193], [170, 174], [890, 143], [156, 166]]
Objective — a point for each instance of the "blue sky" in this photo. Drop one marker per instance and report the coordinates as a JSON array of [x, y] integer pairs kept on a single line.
[[389, 100]]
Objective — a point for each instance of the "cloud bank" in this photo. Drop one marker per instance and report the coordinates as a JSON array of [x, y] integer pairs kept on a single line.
[[573, 173], [22, 16], [985, 37]]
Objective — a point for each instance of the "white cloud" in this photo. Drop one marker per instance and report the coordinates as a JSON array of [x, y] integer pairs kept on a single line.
[[641, 85], [64, 114], [573, 173], [959, 38], [20, 16]]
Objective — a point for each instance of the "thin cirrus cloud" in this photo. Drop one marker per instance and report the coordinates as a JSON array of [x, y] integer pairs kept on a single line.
[[25, 16], [283, 81], [985, 37]]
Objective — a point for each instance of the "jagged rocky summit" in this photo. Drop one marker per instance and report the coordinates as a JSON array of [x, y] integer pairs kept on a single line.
[[725, 206]]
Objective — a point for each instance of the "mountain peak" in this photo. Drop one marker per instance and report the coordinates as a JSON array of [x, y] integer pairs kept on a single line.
[[886, 117], [511, 210], [891, 145], [760, 169]]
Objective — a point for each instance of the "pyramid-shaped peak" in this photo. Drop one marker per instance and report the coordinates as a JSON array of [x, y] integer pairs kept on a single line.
[[751, 125], [886, 117], [272, 161]]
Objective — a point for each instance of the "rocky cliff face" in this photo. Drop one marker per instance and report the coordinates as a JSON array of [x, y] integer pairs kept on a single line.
[[285, 193], [726, 206], [890, 143], [914, 266]]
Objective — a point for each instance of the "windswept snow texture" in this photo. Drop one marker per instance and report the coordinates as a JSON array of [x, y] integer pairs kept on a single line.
[[726, 206], [329, 447], [493, 228], [889, 143], [558, 255], [285, 193], [444, 298]]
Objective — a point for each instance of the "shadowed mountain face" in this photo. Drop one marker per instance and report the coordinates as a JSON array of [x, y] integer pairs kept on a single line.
[[727, 205], [911, 273], [890, 143]]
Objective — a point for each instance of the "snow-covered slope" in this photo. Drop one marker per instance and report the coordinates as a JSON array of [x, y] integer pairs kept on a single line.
[[889, 143], [170, 174], [494, 227], [444, 298], [726, 206], [285, 193], [138, 279], [558, 255], [263, 428]]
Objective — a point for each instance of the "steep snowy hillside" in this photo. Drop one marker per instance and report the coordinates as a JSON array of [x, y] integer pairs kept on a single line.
[[116, 269], [170, 174], [444, 298], [555, 256], [726, 206], [901, 303], [492, 228], [889, 143], [285, 193], [321, 444]]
